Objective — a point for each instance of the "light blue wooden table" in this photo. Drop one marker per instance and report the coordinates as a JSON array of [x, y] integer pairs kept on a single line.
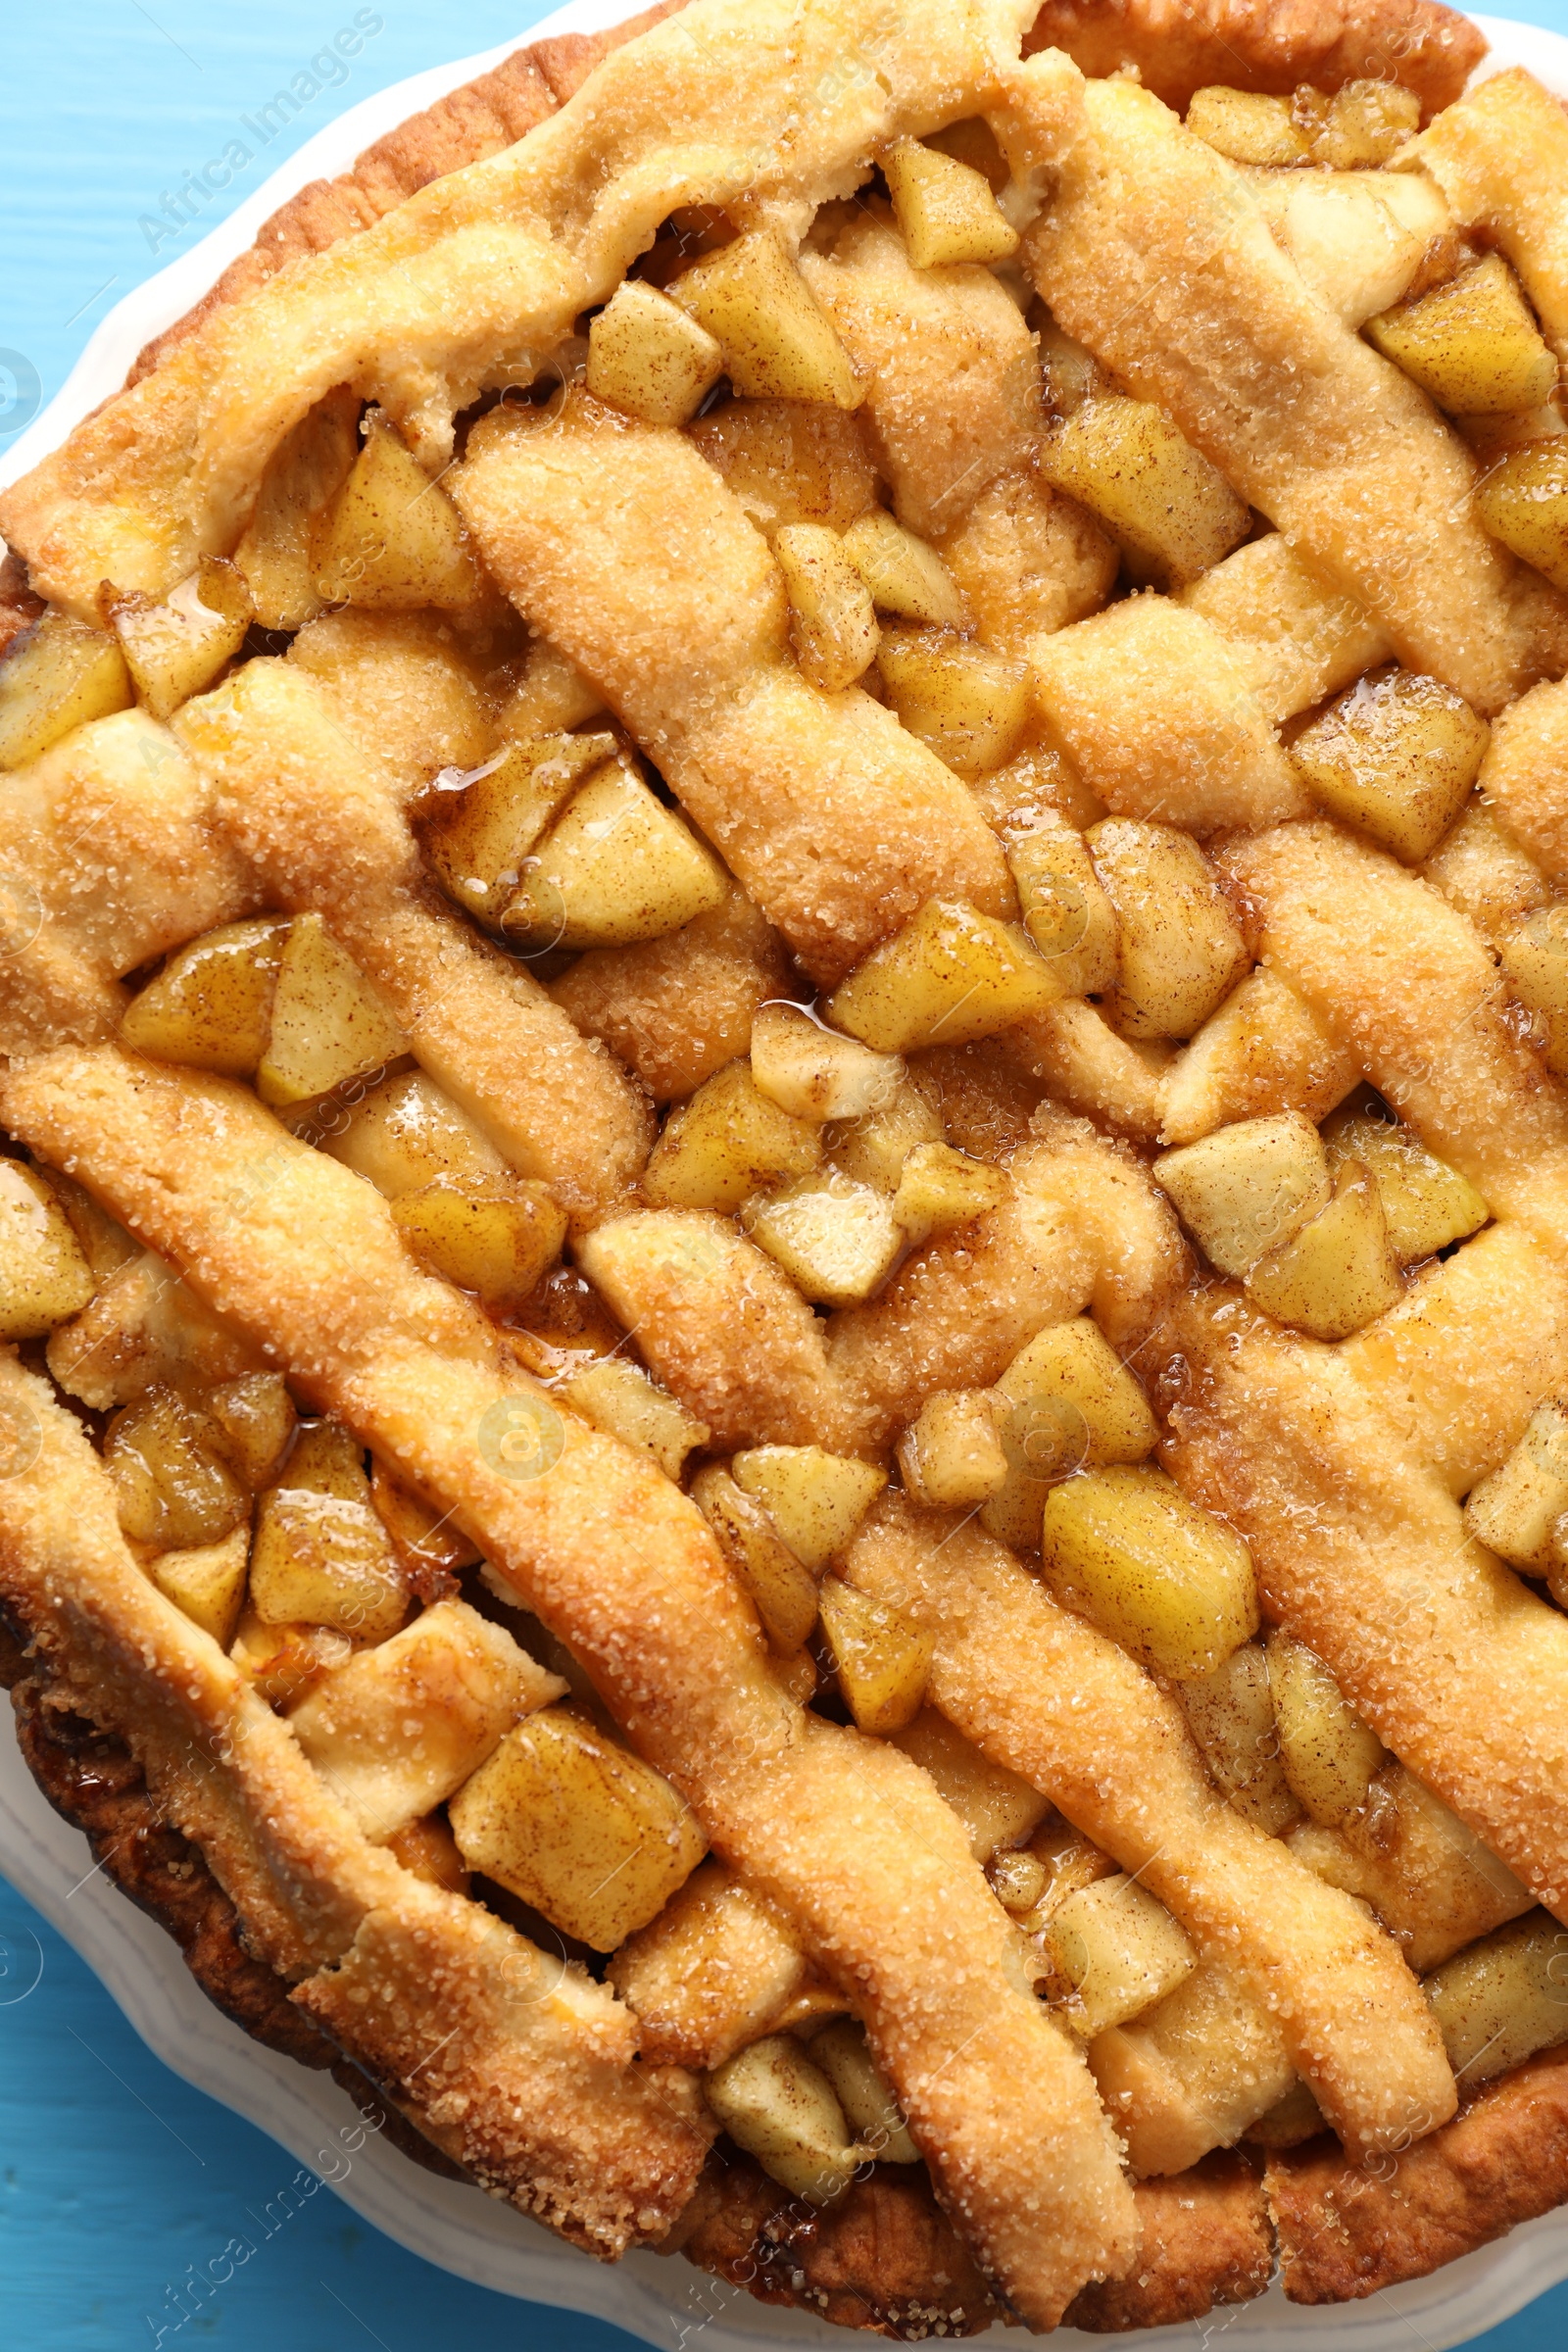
[[115, 2178]]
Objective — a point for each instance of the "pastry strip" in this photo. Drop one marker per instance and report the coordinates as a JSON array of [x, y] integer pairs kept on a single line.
[[626, 548], [1522, 773], [119, 796], [1157, 711], [952, 373], [1083, 1227], [1358, 1543], [1043, 1694], [514, 248], [477, 119], [536, 2086], [1151, 252], [845, 1833], [1179, 46], [324, 830], [1500, 157]]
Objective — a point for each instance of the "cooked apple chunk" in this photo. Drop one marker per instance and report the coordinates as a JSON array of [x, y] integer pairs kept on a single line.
[[302, 478], [882, 1660], [1065, 1860], [1523, 501], [949, 976], [398, 1730], [778, 340], [723, 1144], [406, 1132], [392, 538], [1472, 344], [620, 1398], [999, 1809], [1231, 1712], [841, 2050], [255, 1420], [944, 208], [951, 1457], [211, 1006], [616, 867], [175, 648], [1329, 1756], [428, 1850], [815, 1500], [284, 1661], [781, 2108], [1065, 910], [143, 1328], [58, 676], [967, 703], [1535, 961], [1248, 126], [1338, 1272], [429, 1541], [813, 1073], [781, 1590], [940, 1188], [874, 1148], [321, 1555], [577, 1826], [479, 834], [206, 1583], [1503, 1999], [1171, 511], [1066, 1402], [106, 1245], [173, 1488], [1362, 125], [832, 620], [1179, 953], [906, 576], [789, 461], [648, 356], [1244, 1190], [44, 1275], [1427, 1204], [837, 1241], [1117, 1950], [327, 1022], [492, 1235], [1167, 1579], [1265, 1051], [1395, 756], [1516, 1511]]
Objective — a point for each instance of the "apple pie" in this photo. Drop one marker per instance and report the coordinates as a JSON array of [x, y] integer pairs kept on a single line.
[[836, 1537]]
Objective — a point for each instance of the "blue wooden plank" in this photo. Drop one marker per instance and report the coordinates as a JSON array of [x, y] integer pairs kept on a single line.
[[119, 2185]]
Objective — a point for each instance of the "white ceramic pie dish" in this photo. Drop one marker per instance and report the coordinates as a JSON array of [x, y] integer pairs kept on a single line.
[[449, 2223]]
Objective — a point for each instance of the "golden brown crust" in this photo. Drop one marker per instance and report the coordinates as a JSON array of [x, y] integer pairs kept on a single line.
[[479, 119], [1344, 2233], [886, 2260], [1206, 2240], [1179, 46]]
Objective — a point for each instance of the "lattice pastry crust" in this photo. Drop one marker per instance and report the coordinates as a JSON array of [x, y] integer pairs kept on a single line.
[[296, 794]]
